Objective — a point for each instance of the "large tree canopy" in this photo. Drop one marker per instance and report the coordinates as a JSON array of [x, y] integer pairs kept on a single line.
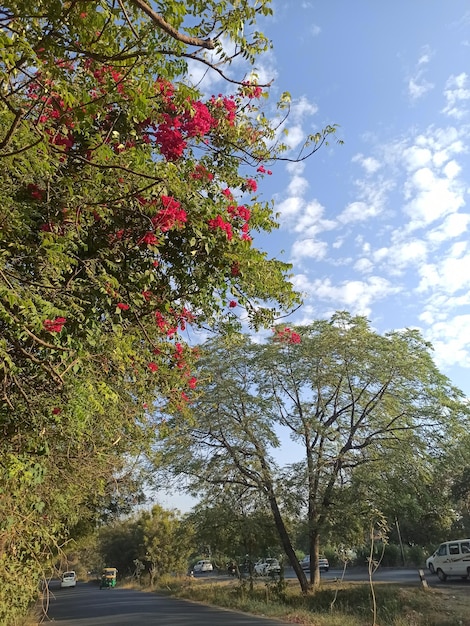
[[128, 207], [358, 406]]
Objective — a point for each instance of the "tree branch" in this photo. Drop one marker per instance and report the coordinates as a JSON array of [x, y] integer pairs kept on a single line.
[[173, 32]]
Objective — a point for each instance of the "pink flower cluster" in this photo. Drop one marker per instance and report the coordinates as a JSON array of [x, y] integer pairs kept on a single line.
[[201, 173], [251, 90], [54, 326], [219, 222], [286, 335], [172, 214], [35, 192], [227, 105], [175, 128]]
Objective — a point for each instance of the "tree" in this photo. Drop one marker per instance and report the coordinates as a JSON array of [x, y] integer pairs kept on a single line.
[[160, 539], [360, 406], [234, 527], [128, 206], [167, 542]]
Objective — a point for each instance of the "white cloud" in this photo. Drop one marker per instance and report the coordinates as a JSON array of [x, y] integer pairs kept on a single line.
[[431, 197], [358, 212], [453, 226], [416, 157], [417, 90], [302, 107], [450, 338], [290, 207], [295, 136], [418, 85], [407, 253], [355, 295], [309, 248], [450, 276], [293, 124], [311, 221], [298, 185], [363, 265], [457, 96], [370, 164]]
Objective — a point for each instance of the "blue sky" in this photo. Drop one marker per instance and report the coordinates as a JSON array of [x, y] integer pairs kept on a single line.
[[380, 225]]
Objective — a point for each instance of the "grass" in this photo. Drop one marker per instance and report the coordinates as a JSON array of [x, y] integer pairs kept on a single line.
[[333, 604]]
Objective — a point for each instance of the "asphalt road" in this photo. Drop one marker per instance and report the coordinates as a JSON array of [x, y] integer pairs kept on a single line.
[[87, 605]]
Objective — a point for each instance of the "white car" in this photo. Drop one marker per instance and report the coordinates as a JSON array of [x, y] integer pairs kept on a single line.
[[267, 567], [69, 579], [430, 562], [203, 566]]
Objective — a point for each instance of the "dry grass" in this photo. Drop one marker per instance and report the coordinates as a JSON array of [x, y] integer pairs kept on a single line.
[[334, 604]]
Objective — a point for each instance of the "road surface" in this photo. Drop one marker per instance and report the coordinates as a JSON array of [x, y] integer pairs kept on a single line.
[[87, 605]]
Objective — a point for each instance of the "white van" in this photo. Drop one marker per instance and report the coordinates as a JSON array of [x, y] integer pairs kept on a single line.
[[452, 558], [69, 579]]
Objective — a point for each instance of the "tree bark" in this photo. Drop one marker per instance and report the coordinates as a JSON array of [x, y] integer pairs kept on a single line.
[[286, 543]]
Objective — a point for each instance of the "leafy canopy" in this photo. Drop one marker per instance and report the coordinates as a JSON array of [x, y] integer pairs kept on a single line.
[[128, 207]]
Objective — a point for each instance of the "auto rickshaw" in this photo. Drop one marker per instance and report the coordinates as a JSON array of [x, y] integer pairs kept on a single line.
[[108, 577]]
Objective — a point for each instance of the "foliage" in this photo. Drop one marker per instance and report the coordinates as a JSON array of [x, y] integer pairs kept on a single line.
[[161, 540], [234, 529], [167, 542], [128, 207], [337, 604], [360, 406]]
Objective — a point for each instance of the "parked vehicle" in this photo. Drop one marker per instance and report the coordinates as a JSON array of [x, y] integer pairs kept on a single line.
[[452, 558], [108, 577], [323, 563], [203, 566], [68, 579], [267, 567]]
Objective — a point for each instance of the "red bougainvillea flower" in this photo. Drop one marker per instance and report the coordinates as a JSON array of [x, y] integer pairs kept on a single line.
[[200, 121], [35, 192], [232, 304], [287, 335], [171, 215], [192, 382], [251, 90], [201, 173], [153, 367], [150, 239], [251, 184], [218, 222], [263, 170], [54, 326], [122, 306]]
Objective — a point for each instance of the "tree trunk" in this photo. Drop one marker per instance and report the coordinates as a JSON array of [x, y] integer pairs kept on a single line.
[[286, 543], [314, 540]]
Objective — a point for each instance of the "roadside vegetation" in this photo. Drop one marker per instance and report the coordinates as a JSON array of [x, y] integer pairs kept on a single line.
[[332, 604], [131, 208]]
